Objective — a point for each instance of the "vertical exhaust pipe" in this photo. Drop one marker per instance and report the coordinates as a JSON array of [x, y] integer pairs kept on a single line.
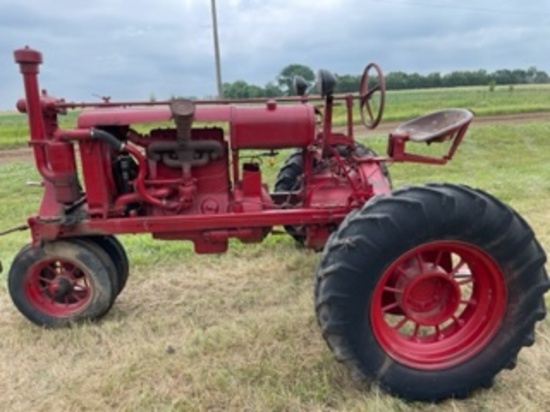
[[54, 160], [183, 111]]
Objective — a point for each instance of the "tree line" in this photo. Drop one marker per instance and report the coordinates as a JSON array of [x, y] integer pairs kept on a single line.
[[347, 83]]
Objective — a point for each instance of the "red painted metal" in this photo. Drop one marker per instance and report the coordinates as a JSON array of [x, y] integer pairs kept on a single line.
[[438, 305], [57, 287], [272, 126], [448, 125], [200, 186], [125, 115]]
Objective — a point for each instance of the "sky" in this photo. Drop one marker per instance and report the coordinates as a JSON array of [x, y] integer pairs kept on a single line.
[[135, 49]]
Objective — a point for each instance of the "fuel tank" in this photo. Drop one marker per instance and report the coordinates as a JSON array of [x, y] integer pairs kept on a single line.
[[272, 126]]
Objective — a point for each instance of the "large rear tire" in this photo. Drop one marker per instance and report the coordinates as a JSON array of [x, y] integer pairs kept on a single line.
[[289, 179], [431, 291]]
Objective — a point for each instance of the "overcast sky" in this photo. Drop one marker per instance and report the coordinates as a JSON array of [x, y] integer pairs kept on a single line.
[[130, 49]]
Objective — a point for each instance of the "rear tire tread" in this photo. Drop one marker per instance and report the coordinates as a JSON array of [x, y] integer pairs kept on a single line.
[[514, 243]]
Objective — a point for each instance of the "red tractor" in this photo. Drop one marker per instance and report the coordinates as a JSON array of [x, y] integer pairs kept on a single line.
[[428, 291]]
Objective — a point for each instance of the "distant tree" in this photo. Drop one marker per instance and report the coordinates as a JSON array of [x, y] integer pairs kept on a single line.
[[286, 76], [456, 78], [531, 73], [236, 90], [541, 77], [503, 76], [272, 90], [347, 83], [243, 90], [434, 79], [415, 81], [397, 81], [520, 76]]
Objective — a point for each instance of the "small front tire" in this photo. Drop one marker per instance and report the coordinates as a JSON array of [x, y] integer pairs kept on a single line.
[[61, 283], [112, 246]]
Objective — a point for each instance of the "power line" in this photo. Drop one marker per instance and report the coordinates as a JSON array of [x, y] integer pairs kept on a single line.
[[453, 7]]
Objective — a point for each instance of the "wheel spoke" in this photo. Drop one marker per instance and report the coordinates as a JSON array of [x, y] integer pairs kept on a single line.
[[393, 289], [400, 324], [465, 281], [438, 258], [47, 281], [419, 262], [438, 335], [49, 270], [401, 271], [459, 265], [44, 288], [79, 294], [369, 111], [373, 90], [389, 307], [73, 273], [469, 302], [414, 335]]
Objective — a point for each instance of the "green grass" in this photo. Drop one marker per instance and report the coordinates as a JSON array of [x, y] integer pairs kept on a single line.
[[14, 130], [406, 104], [237, 331], [400, 105], [510, 161]]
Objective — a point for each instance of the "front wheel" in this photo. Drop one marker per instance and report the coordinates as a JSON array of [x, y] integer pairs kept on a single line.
[[431, 291], [62, 282]]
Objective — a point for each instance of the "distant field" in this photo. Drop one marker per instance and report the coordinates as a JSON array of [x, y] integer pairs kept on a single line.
[[406, 104], [400, 105], [14, 130], [503, 100]]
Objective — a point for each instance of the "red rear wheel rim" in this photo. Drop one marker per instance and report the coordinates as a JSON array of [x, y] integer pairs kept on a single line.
[[58, 287], [438, 305]]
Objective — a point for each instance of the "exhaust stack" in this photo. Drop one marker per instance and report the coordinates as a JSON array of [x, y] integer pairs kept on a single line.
[[183, 111]]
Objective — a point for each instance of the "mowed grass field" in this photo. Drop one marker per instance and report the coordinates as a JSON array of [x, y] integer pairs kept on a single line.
[[237, 331], [400, 105]]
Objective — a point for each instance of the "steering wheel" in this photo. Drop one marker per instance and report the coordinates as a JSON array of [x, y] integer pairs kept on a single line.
[[371, 119]]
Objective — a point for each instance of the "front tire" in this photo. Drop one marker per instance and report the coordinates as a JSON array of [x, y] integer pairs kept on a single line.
[[431, 291], [112, 246], [62, 282]]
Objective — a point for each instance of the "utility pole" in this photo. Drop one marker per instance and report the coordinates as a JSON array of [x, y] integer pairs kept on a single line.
[[217, 49]]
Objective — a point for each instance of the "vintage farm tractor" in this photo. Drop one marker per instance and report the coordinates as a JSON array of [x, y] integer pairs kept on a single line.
[[428, 291]]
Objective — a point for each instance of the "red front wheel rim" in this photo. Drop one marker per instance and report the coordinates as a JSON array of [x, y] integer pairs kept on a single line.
[[438, 305], [58, 287]]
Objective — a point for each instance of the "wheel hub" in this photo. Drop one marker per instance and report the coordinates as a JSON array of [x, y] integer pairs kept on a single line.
[[61, 287], [430, 298]]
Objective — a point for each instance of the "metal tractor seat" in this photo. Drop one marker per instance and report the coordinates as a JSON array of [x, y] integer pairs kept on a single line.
[[435, 126], [445, 125]]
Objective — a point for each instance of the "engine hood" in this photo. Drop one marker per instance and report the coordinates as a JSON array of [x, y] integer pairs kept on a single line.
[[122, 116]]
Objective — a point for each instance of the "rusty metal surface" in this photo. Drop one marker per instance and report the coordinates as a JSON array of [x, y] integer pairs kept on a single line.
[[434, 125]]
